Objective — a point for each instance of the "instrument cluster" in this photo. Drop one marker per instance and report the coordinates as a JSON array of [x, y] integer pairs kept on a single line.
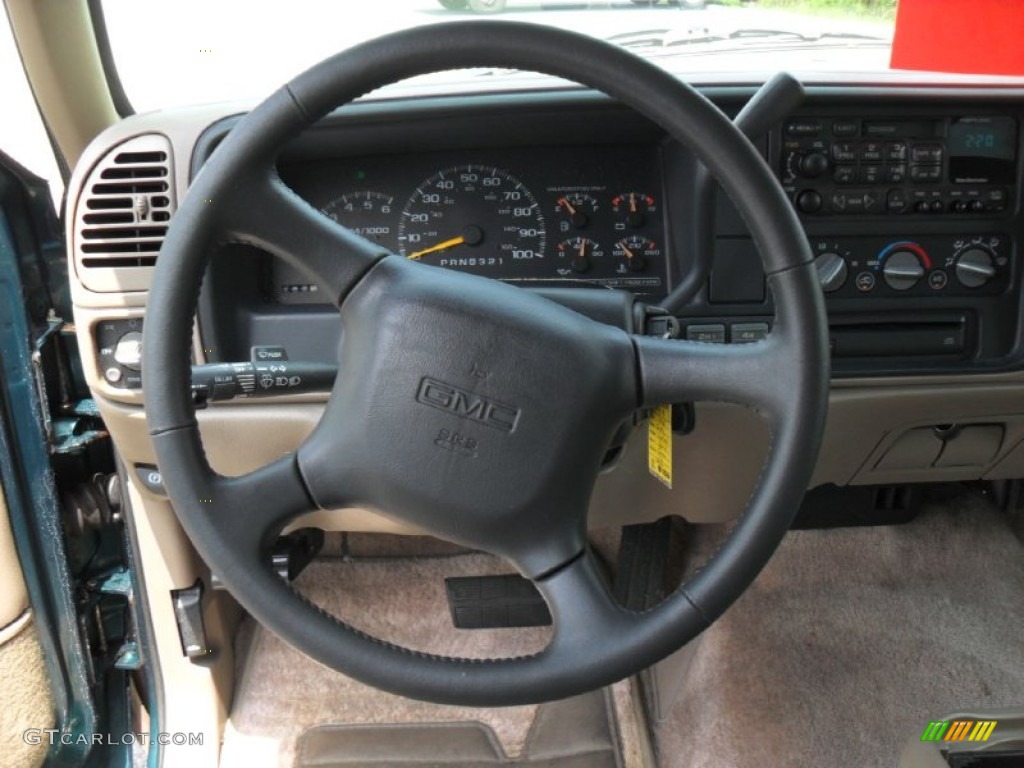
[[565, 215]]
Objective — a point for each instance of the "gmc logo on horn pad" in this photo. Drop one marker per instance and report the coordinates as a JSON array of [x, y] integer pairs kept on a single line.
[[466, 405]]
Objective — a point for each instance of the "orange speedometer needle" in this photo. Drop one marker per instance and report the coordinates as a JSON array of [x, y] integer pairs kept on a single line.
[[443, 246]]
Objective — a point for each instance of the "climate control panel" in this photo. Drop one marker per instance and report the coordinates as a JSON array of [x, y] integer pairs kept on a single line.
[[933, 265]]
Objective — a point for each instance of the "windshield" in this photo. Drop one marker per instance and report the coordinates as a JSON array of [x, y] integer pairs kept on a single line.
[[180, 52]]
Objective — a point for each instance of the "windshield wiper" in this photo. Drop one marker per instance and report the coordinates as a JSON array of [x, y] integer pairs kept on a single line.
[[668, 39]]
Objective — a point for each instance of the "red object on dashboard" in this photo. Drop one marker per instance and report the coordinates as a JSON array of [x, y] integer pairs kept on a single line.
[[978, 37]]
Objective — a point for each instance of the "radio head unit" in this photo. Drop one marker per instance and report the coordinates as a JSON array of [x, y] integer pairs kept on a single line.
[[839, 166]]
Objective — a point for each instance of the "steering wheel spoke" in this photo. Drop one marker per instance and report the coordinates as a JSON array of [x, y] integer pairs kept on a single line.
[[272, 217], [582, 606], [673, 371]]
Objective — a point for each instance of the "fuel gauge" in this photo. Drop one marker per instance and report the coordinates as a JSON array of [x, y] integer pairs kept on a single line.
[[575, 209], [634, 252], [634, 207]]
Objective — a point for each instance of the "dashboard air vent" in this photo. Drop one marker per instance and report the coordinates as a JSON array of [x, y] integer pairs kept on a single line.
[[122, 214]]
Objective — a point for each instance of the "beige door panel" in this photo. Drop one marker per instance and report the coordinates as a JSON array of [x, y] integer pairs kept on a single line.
[[13, 598]]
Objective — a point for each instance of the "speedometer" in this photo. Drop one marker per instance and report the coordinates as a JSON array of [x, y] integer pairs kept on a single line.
[[474, 218]]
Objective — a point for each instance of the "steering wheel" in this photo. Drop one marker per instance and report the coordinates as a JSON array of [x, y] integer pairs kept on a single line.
[[529, 392]]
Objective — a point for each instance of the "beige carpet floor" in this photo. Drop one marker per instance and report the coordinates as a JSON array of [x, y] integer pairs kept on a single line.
[[281, 693], [851, 640]]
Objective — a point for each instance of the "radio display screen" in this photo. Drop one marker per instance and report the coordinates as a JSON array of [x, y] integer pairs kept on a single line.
[[983, 150]]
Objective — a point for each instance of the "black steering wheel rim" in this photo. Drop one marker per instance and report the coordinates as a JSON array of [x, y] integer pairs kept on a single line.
[[785, 377]]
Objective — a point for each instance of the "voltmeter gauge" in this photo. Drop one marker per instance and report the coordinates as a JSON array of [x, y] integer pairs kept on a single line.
[[634, 207]]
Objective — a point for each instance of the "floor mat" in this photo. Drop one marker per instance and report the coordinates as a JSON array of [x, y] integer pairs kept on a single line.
[[280, 693], [575, 733], [851, 640]]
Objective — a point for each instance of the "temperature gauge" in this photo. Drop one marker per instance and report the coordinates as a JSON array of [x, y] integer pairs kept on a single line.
[[634, 207], [633, 253], [577, 255], [576, 209]]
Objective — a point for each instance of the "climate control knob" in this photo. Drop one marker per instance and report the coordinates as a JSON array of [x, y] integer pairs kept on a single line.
[[832, 271], [975, 267], [902, 270]]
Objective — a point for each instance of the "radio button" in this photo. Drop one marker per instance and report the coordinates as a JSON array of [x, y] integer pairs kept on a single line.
[[927, 173], [930, 154], [896, 151], [871, 174], [871, 152], [896, 173], [845, 128], [897, 201], [844, 152], [859, 201], [803, 127], [845, 174]]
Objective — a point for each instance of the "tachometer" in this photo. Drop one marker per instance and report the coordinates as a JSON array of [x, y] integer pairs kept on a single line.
[[366, 213], [474, 218]]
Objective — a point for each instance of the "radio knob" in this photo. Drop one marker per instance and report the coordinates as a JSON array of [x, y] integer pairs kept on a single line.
[[809, 201], [975, 267], [813, 164], [832, 271], [902, 270]]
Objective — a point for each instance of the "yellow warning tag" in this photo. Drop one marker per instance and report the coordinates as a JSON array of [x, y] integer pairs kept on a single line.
[[659, 444]]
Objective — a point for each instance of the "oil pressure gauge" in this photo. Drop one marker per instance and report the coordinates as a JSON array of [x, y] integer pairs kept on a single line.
[[578, 254]]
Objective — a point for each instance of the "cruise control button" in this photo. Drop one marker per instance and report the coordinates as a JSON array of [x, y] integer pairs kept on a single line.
[[712, 332]]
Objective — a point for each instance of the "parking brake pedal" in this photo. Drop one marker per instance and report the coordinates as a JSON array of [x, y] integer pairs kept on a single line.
[[495, 602]]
